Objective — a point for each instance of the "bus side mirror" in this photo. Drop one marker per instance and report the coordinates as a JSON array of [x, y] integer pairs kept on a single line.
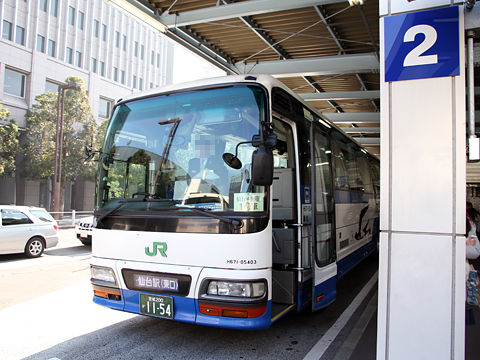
[[262, 166]]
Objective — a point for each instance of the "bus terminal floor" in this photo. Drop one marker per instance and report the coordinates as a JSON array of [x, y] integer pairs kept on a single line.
[[361, 344], [365, 348]]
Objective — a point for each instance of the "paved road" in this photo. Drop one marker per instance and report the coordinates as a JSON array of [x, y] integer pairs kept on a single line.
[[46, 312]]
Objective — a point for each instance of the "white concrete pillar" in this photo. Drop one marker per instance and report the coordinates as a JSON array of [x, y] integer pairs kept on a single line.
[[421, 309]]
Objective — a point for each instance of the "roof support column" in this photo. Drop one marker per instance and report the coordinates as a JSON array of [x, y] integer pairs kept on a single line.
[[421, 296]]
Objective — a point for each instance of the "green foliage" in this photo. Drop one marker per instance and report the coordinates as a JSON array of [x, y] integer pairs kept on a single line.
[[9, 144], [41, 128]]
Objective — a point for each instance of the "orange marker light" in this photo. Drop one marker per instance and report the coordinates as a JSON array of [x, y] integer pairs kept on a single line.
[[235, 313]]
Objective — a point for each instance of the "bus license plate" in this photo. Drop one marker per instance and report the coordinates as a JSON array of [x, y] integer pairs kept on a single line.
[[154, 305]]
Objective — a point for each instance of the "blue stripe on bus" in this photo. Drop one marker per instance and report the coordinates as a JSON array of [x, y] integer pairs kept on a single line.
[[328, 289], [353, 197], [260, 323], [185, 310], [350, 261], [113, 304]]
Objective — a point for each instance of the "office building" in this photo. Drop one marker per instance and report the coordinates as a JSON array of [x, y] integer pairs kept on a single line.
[[45, 41]]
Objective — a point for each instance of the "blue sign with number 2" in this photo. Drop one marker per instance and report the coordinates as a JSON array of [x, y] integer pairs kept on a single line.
[[422, 45]]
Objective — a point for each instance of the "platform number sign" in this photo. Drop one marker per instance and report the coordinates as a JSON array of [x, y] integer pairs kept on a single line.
[[422, 45]]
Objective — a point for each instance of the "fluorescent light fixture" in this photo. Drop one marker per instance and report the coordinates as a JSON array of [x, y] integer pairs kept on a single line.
[[130, 9], [355, 2], [324, 123]]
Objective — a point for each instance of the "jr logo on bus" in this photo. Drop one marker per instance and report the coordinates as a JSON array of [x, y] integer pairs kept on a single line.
[[158, 247]]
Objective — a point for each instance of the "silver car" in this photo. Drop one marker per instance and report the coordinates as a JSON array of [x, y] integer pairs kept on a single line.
[[26, 229]]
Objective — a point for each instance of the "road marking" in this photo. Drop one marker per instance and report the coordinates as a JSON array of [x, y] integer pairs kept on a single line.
[[322, 345]]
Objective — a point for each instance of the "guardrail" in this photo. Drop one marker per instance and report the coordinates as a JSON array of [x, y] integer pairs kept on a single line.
[[70, 218]]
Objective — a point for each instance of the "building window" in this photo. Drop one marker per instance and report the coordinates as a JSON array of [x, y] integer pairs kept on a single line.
[[78, 59], [52, 87], [135, 49], [40, 43], [104, 109], [42, 5], [134, 81], [69, 55], [14, 83], [81, 19], [54, 8], [51, 48], [158, 60], [20, 35], [124, 43], [115, 74], [142, 52], [102, 68], [95, 28], [151, 85], [104, 32], [122, 77], [93, 65], [140, 83], [152, 58], [117, 39], [7, 30], [71, 16]]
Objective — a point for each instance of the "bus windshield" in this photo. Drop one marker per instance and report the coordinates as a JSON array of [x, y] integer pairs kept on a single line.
[[168, 150]]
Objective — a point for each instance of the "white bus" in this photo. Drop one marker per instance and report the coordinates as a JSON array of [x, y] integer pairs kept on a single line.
[[228, 202]]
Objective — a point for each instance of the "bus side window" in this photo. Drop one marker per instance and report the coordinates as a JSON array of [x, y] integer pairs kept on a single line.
[[364, 171], [283, 154], [341, 179], [349, 174], [375, 170]]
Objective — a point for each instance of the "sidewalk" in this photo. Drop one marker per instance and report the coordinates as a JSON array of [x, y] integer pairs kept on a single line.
[[365, 348]]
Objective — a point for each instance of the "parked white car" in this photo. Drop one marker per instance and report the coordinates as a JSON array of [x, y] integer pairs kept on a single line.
[[26, 229], [84, 230]]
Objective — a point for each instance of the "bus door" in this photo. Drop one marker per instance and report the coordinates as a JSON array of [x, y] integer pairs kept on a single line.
[[284, 222], [323, 246]]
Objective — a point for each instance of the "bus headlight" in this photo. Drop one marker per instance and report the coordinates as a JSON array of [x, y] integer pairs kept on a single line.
[[103, 275], [236, 289]]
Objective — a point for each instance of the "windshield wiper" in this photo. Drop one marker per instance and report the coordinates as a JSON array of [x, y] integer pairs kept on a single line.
[[123, 202], [234, 222]]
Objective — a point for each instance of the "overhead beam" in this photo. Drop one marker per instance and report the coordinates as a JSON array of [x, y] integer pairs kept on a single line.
[[344, 95], [235, 10], [363, 130], [333, 32], [326, 65], [281, 53], [367, 141], [353, 118]]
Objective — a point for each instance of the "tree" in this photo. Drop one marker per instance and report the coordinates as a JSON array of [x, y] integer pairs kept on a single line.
[[9, 144], [78, 131]]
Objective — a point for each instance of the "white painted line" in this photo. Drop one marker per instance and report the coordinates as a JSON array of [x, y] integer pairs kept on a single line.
[[322, 345], [348, 347]]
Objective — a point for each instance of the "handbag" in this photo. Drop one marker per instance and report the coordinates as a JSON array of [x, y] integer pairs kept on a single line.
[[472, 290]]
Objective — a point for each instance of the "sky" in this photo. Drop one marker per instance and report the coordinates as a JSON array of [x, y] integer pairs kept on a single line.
[[188, 66]]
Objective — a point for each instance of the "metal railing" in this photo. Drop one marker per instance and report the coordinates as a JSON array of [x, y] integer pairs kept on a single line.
[[70, 218]]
